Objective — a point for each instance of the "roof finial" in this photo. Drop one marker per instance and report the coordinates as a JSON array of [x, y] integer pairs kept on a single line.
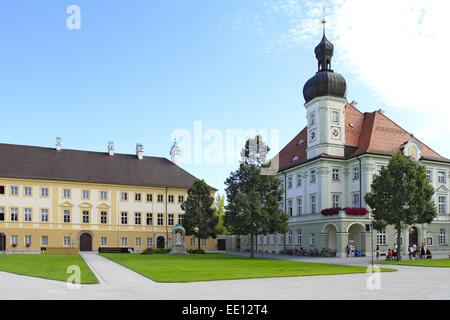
[[324, 21]]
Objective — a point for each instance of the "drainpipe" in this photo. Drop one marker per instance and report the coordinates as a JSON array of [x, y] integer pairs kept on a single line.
[[285, 203], [360, 182]]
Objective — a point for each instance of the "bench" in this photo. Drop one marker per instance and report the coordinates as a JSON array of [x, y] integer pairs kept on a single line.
[[59, 250]]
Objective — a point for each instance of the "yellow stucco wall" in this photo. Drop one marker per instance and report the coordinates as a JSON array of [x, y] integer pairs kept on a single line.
[[56, 229]]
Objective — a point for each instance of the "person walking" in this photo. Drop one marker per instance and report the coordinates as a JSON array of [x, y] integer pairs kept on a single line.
[[409, 251], [378, 252]]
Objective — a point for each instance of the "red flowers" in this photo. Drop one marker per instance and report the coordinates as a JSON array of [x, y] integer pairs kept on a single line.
[[331, 211], [356, 211]]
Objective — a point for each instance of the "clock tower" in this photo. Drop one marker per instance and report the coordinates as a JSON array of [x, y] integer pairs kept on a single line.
[[325, 101]]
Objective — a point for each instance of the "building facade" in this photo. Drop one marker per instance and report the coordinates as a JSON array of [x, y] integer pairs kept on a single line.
[[331, 164], [82, 201]]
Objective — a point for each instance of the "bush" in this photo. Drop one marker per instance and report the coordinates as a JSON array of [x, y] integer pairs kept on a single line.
[[148, 251], [196, 251], [152, 251], [287, 251]]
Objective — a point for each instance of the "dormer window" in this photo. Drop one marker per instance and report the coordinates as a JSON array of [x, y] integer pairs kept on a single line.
[[300, 141], [295, 158]]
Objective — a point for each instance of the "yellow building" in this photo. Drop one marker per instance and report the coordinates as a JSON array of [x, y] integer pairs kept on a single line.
[[80, 200]]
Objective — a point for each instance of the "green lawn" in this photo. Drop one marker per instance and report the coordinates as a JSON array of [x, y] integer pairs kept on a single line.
[[437, 263], [207, 267], [46, 266]]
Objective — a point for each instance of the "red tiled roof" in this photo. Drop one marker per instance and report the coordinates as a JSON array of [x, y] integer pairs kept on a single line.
[[364, 133]]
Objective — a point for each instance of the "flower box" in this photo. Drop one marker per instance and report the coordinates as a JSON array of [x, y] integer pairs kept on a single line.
[[331, 211], [356, 211]]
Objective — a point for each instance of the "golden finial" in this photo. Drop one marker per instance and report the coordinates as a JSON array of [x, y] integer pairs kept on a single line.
[[324, 21]]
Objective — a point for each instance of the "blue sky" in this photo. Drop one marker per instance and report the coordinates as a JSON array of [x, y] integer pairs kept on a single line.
[[138, 70]]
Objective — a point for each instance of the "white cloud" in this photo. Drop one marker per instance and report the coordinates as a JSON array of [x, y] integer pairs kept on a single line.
[[399, 49]]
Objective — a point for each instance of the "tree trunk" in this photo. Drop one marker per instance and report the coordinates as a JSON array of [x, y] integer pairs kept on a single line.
[[252, 252], [399, 239]]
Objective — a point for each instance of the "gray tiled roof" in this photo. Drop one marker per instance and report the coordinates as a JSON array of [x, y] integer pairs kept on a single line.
[[29, 162]]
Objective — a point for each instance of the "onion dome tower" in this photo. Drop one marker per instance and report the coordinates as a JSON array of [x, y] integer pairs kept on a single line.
[[325, 82], [325, 100]]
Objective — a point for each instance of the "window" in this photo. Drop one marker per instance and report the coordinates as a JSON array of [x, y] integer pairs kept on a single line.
[[312, 239], [442, 204], [149, 242], [355, 174], [170, 220], [137, 197], [27, 191], [313, 204], [44, 240], [66, 193], [149, 197], [441, 177], [381, 238], [299, 180], [160, 219], [27, 241], [137, 218], [67, 241], [443, 237], [14, 240], [267, 239], [274, 239], [355, 200], [103, 217], [14, 191], [170, 199], [85, 195], [85, 216], [290, 207], [192, 242], [203, 242], [149, 219], [289, 182], [299, 236], [299, 206], [430, 175], [312, 176], [124, 218], [335, 116], [104, 241], [138, 242], [66, 216], [336, 200], [2, 214], [2, 189], [124, 241], [103, 195], [282, 205], [290, 237], [336, 174], [180, 219], [124, 196], [44, 192], [27, 214], [14, 214], [160, 198], [379, 169], [312, 119], [180, 199], [44, 215]]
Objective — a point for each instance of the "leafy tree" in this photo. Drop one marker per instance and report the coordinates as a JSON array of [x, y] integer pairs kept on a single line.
[[253, 199], [220, 212], [199, 218], [401, 196]]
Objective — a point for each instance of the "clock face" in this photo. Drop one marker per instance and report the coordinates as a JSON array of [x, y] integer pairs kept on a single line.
[[313, 135], [336, 132]]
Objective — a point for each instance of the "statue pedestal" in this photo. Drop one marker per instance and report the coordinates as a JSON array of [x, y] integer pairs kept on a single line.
[[178, 249]]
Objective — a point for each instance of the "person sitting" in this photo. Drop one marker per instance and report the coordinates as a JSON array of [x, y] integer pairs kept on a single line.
[[389, 255], [357, 253], [428, 254]]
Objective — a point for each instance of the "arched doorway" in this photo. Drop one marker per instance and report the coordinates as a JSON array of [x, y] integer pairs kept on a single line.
[[2, 242], [331, 237], [356, 237], [85, 242], [413, 236], [160, 242]]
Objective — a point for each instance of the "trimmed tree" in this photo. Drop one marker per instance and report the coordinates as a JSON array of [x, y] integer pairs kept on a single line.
[[220, 212], [199, 218], [401, 196], [253, 199]]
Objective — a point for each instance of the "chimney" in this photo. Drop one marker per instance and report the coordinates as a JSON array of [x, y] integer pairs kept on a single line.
[[58, 144], [140, 151], [175, 153], [110, 148]]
